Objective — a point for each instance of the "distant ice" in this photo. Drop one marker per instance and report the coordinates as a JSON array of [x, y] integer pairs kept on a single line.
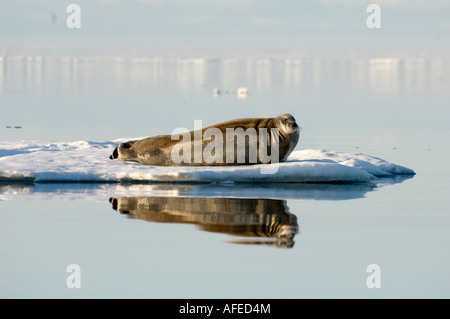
[[84, 161]]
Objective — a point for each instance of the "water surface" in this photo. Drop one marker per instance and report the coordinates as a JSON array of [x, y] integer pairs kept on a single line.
[[230, 241]]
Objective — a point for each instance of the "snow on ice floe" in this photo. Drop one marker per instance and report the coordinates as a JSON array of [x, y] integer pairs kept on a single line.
[[84, 161]]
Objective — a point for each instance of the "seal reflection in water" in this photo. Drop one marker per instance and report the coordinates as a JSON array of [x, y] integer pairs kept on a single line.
[[234, 142], [268, 218]]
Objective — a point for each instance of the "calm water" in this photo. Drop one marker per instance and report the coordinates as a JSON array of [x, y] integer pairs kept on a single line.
[[231, 241]]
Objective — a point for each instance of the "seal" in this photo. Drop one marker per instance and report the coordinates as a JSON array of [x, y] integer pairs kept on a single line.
[[234, 142]]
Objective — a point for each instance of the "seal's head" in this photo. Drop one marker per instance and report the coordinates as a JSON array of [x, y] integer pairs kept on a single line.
[[286, 124], [289, 133]]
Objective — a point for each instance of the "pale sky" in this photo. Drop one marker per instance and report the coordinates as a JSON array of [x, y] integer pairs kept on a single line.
[[221, 27]]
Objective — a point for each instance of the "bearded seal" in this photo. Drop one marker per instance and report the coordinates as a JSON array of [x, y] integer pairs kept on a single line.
[[234, 142]]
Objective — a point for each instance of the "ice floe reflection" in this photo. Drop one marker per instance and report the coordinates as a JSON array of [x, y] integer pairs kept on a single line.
[[99, 192], [258, 214]]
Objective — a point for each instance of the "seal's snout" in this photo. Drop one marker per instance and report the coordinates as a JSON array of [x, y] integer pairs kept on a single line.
[[292, 124]]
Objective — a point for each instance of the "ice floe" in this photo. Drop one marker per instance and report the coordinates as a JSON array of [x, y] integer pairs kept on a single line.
[[85, 161]]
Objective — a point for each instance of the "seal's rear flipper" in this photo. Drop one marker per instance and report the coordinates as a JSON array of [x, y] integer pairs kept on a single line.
[[127, 145], [115, 154], [125, 150], [113, 201]]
